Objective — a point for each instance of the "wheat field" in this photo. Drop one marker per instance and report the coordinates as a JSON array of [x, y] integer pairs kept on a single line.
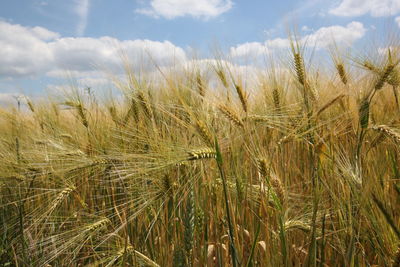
[[296, 166]]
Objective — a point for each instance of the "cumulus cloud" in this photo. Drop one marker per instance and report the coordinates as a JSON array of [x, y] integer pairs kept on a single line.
[[34, 51], [277, 43], [82, 54], [254, 50], [44, 34], [321, 38], [171, 9], [324, 36], [249, 50], [376, 8], [26, 51]]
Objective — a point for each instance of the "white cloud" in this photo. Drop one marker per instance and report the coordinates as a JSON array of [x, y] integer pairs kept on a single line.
[[322, 38], [397, 20], [23, 50], [44, 34], [82, 10], [82, 54], [26, 51], [325, 36], [376, 8], [170, 9], [249, 50], [277, 43], [253, 50]]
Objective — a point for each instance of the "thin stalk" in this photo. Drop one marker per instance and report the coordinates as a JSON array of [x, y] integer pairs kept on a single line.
[[250, 260], [394, 88], [228, 213]]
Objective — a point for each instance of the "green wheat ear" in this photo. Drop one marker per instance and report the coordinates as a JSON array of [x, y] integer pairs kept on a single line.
[[364, 113]]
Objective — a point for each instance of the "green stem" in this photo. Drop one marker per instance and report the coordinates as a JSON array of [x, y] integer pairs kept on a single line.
[[228, 213]]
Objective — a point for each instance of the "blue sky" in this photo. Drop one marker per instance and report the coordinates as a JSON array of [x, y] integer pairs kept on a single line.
[[42, 40]]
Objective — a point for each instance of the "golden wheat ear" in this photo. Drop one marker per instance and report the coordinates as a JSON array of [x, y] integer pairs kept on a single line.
[[204, 133], [242, 96], [384, 76], [388, 131], [231, 115], [342, 73], [205, 153]]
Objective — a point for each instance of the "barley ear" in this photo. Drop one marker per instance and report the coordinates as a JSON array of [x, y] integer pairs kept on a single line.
[[242, 96], [231, 115], [205, 153], [384, 76], [342, 73], [363, 112]]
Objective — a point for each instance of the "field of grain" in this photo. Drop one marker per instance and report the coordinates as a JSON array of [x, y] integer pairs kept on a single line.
[[297, 167]]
